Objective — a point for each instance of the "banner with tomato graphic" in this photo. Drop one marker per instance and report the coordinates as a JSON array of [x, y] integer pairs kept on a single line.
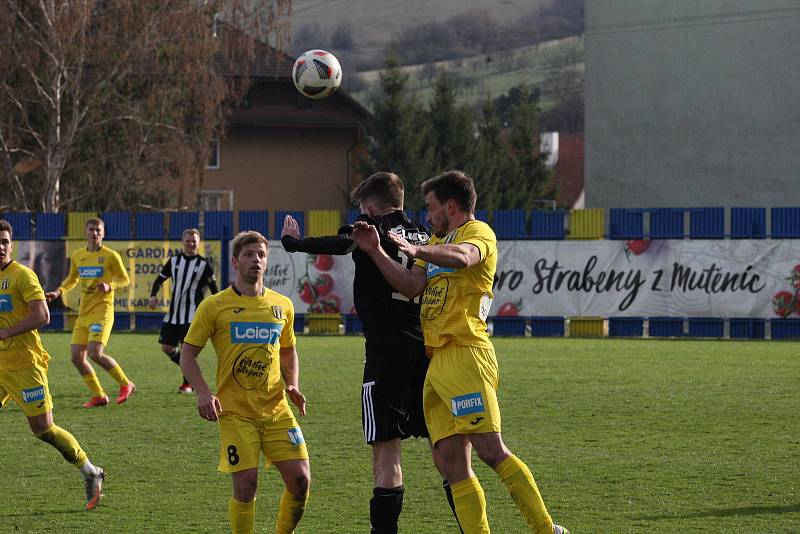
[[642, 278], [315, 283]]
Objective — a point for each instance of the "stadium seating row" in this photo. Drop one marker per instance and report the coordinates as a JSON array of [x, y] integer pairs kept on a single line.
[[621, 223], [654, 327]]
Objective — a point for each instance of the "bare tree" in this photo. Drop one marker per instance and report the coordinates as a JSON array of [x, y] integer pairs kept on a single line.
[[111, 103]]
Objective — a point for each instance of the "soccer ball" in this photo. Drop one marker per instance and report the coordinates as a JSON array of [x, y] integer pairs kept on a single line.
[[317, 74]]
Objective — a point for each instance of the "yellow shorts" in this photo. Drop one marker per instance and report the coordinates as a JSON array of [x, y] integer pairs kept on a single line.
[[94, 326], [460, 392], [278, 437], [28, 387]]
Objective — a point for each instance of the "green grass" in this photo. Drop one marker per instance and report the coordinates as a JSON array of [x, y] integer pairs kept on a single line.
[[623, 436]]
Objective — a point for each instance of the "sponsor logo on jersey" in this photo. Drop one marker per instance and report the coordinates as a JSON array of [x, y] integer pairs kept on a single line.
[[261, 333], [95, 328], [433, 270], [467, 404], [411, 235], [6, 304], [91, 271], [277, 311], [296, 436], [4, 283], [31, 395]]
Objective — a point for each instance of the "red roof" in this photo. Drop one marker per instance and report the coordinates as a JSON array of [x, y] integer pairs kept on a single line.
[[568, 180]]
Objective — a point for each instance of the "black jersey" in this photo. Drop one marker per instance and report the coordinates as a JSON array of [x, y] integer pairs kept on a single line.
[[190, 276], [390, 320]]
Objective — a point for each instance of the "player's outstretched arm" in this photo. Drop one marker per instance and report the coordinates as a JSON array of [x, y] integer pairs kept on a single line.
[[208, 405], [409, 282], [290, 372], [69, 282], [292, 241]]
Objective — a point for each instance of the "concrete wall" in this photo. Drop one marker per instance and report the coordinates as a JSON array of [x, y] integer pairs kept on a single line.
[[692, 103]]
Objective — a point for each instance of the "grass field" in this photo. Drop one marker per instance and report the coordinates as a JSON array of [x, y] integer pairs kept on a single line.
[[622, 436]]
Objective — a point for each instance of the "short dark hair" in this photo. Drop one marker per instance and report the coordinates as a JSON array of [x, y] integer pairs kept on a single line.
[[5, 226], [383, 188], [454, 185], [246, 238]]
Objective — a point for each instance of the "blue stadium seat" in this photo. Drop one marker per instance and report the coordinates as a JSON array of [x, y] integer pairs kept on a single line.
[[217, 225], [748, 223], [180, 221], [626, 223], [666, 223], [707, 223], [548, 224], [257, 220], [118, 224], [625, 326], [51, 225], [547, 326], [150, 225]]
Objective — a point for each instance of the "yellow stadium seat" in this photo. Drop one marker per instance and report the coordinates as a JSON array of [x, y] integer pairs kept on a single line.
[[586, 224], [587, 327], [76, 223], [323, 222]]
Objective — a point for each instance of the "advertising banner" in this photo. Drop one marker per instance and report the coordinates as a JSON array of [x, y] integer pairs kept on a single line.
[[663, 278]]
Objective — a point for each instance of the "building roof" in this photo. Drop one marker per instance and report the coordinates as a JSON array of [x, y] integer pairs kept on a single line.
[[568, 177]]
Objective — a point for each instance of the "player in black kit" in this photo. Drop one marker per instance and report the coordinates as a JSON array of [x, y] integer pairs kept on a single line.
[[395, 366]]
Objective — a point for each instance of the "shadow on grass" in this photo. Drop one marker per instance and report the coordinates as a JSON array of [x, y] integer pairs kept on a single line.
[[727, 512]]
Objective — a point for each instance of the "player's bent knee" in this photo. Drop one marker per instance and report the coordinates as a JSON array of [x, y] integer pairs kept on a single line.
[[300, 485]]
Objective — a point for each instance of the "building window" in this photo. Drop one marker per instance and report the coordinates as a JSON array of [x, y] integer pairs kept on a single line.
[[216, 200], [213, 155]]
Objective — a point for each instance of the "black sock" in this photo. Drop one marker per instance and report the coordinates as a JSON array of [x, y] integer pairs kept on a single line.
[[384, 509], [449, 493], [175, 356]]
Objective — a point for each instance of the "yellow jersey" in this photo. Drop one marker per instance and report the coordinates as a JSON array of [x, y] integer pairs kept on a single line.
[[18, 287], [91, 268], [247, 334], [456, 302]]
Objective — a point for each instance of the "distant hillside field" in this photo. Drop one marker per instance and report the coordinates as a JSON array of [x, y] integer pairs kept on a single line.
[[377, 21], [487, 74]]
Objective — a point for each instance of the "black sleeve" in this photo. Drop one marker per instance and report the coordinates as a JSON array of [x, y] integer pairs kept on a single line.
[[166, 272], [211, 280], [337, 245]]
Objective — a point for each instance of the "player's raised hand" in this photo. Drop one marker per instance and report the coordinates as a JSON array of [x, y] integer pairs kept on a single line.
[[366, 236], [208, 406], [297, 398], [290, 227], [403, 245]]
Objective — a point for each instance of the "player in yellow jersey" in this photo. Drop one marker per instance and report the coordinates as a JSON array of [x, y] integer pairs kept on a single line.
[[23, 363], [454, 273], [252, 331], [99, 271]]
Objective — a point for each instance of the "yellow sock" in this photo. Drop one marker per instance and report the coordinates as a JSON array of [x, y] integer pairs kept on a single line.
[[470, 506], [290, 512], [243, 516], [94, 385], [118, 374], [65, 443], [522, 488]]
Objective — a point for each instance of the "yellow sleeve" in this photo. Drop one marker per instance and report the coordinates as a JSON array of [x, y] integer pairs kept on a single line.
[[119, 275], [481, 236], [30, 288], [287, 334], [202, 327], [72, 278]]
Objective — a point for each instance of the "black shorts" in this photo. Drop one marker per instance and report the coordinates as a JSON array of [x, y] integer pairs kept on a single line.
[[172, 334], [391, 398]]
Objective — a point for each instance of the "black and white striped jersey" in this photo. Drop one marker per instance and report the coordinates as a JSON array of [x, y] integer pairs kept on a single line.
[[190, 276]]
